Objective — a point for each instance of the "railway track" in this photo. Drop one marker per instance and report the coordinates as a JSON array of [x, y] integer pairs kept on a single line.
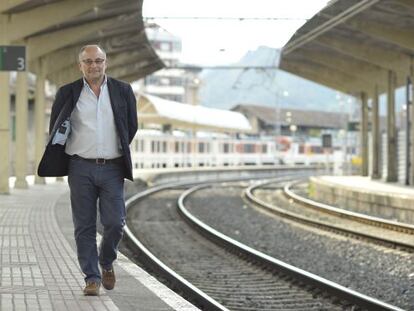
[[222, 274], [289, 203]]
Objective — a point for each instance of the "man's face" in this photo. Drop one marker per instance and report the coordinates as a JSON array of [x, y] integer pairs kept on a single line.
[[92, 63]]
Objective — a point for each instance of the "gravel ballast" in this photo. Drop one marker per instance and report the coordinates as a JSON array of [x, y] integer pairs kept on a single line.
[[373, 270]]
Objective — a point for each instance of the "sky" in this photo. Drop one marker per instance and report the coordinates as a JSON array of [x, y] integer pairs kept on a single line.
[[219, 42]]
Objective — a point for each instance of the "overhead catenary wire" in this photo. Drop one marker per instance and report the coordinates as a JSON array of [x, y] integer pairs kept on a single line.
[[220, 67], [146, 18]]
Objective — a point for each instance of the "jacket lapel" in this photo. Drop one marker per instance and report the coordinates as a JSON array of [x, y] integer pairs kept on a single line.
[[76, 90], [115, 97]]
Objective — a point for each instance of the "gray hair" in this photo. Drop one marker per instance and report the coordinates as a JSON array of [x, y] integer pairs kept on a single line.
[[83, 48]]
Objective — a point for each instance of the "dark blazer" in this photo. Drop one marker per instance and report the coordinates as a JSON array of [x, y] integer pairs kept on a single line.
[[55, 161]]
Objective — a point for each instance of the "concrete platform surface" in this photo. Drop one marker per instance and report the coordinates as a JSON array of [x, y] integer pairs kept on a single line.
[[39, 268], [362, 183], [378, 198]]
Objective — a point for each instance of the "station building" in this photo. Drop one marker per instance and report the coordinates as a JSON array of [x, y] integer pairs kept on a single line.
[[308, 123], [167, 84]]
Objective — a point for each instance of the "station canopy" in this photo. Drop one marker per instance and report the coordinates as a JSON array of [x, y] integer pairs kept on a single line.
[[351, 45], [153, 109], [53, 32]]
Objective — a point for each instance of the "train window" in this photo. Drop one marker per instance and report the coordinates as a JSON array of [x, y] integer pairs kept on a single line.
[[177, 147], [201, 147], [317, 149], [142, 145], [248, 148], [239, 148], [188, 147], [164, 146], [153, 147], [264, 148], [182, 147], [226, 148]]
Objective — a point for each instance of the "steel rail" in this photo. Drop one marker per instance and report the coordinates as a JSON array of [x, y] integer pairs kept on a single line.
[[150, 259], [333, 211], [335, 289], [372, 220]]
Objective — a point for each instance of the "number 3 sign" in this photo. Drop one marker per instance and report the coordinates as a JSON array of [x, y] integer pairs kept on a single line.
[[12, 58]]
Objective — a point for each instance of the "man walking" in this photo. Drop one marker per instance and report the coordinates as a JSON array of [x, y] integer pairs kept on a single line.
[[92, 123]]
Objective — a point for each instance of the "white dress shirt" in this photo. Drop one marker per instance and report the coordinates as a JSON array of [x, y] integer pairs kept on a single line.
[[93, 131]]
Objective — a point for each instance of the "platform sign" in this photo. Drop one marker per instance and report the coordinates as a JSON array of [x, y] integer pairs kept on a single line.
[[12, 58], [355, 126]]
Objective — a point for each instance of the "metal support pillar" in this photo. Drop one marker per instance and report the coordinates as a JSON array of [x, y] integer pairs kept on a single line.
[[4, 116], [392, 175], [39, 121], [411, 113], [364, 134], [21, 130], [4, 132], [407, 132], [376, 138]]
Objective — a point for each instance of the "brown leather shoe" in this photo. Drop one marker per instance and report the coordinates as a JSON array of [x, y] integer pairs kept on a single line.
[[108, 278], [91, 289]]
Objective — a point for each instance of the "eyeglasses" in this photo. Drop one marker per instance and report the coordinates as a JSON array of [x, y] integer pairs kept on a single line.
[[89, 62]]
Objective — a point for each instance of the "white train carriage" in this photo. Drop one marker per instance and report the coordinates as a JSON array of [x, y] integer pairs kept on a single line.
[[155, 149]]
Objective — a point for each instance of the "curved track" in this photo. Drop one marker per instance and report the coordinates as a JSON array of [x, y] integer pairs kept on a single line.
[[218, 279], [298, 207]]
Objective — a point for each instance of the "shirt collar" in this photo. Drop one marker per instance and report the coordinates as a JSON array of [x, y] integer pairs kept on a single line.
[[85, 83]]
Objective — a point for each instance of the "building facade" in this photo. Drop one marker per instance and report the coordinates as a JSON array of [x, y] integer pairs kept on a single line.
[[167, 83]]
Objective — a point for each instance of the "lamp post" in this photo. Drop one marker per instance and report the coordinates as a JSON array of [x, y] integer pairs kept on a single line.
[[345, 106], [292, 129], [278, 122], [342, 135], [348, 157], [194, 87], [277, 93]]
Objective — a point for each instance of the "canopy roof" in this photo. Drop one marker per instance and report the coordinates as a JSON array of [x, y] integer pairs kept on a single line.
[[351, 45], [152, 109], [53, 32]]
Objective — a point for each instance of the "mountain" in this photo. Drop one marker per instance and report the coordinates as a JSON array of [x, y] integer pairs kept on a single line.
[[227, 88]]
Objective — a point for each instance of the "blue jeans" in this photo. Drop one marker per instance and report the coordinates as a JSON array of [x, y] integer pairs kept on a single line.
[[89, 183]]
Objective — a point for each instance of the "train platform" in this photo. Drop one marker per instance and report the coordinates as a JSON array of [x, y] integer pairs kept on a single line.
[[393, 201], [39, 268]]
